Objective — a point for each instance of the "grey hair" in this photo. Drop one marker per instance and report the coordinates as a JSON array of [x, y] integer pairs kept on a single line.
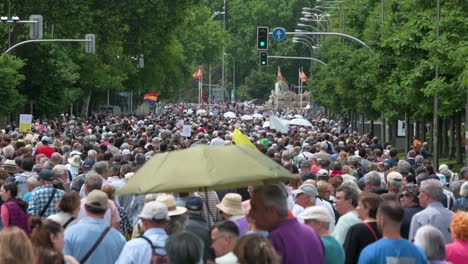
[[373, 178], [464, 189], [9, 152], [101, 167], [323, 145], [404, 167], [93, 181], [92, 154], [33, 181], [431, 240], [37, 168], [48, 165], [274, 195], [419, 159], [433, 188], [412, 190], [59, 170]]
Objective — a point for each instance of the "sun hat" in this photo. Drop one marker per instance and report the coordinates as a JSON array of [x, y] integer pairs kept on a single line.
[[317, 212], [231, 204], [97, 199], [75, 161], [154, 211], [172, 208]]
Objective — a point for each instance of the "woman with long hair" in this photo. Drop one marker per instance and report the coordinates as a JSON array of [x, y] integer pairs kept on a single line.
[[365, 233], [47, 240], [15, 246], [13, 211]]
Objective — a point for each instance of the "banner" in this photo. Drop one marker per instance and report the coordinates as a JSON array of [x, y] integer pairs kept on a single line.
[[151, 98], [240, 139], [279, 124]]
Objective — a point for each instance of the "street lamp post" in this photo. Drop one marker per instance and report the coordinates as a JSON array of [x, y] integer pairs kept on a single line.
[[222, 58]]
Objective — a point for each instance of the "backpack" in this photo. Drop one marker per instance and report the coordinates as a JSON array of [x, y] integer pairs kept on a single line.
[[155, 257]]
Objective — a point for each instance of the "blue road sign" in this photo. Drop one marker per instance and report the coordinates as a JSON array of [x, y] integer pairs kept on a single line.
[[279, 33]]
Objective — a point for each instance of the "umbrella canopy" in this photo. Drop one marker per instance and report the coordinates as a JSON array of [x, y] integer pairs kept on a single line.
[[300, 122], [188, 111], [229, 115], [246, 117], [256, 115], [298, 116], [201, 112], [205, 168], [266, 124]]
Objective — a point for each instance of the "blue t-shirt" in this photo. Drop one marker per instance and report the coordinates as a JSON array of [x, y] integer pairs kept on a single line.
[[389, 251]]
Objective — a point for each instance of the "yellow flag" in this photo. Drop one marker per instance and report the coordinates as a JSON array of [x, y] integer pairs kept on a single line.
[[240, 139]]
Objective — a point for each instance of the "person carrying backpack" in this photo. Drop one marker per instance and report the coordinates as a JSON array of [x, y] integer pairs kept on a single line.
[[149, 248]]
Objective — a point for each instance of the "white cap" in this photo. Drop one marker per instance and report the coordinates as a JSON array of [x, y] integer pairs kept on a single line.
[[126, 152], [317, 212], [154, 211]]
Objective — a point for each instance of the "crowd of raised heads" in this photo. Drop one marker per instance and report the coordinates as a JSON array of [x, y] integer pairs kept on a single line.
[[352, 198]]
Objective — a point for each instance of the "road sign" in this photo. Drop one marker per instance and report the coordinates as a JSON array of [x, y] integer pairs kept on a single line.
[[279, 33]]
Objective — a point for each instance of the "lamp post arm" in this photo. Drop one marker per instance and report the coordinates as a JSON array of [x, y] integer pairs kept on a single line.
[[42, 40], [296, 58]]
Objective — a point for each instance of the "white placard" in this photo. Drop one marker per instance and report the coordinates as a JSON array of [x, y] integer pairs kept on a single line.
[[25, 121], [187, 131]]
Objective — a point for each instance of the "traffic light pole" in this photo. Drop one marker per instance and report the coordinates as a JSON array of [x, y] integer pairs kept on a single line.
[[43, 40], [329, 34], [297, 58]]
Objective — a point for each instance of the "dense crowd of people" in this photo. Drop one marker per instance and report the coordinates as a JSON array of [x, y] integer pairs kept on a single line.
[[351, 198]]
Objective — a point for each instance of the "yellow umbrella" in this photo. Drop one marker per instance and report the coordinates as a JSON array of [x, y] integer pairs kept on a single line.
[[205, 168]]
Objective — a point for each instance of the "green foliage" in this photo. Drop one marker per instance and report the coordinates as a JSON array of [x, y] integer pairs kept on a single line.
[[10, 78]]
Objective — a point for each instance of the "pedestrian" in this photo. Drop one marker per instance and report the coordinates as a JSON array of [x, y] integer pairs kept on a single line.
[[48, 235], [15, 246], [154, 220], [231, 209], [197, 224], [346, 203], [362, 234], [44, 199], [391, 247], [457, 251], [13, 211], [434, 213], [184, 247], [253, 248], [294, 242], [432, 242], [319, 218], [68, 207], [99, 243], [224, 237]]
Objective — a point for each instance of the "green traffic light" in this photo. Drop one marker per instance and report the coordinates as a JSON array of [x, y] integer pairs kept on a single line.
[[263, 62], [262, 43]]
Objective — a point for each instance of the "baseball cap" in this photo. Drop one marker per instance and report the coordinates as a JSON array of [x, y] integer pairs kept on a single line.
[[97, 199], [46, 175], [45, 139], [305, 163], [194, 204], [307, 189], [88, 164], [154, 211], [317, 212], [322, 172]]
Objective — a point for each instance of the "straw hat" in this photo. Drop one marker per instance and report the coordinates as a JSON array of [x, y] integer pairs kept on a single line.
[[169, 201], [75, 161], [231, 204]]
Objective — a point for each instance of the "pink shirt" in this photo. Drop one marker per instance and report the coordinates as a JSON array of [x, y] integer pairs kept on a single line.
[[457, 252], [5, 215]]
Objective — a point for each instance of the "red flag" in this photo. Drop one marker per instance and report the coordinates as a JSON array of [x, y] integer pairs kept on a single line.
[[303, 77], [280, 76], [198, 74]]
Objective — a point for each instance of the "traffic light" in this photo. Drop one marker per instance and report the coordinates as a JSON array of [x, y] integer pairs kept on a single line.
[[263, 58], [90, 44], [262, 38]]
